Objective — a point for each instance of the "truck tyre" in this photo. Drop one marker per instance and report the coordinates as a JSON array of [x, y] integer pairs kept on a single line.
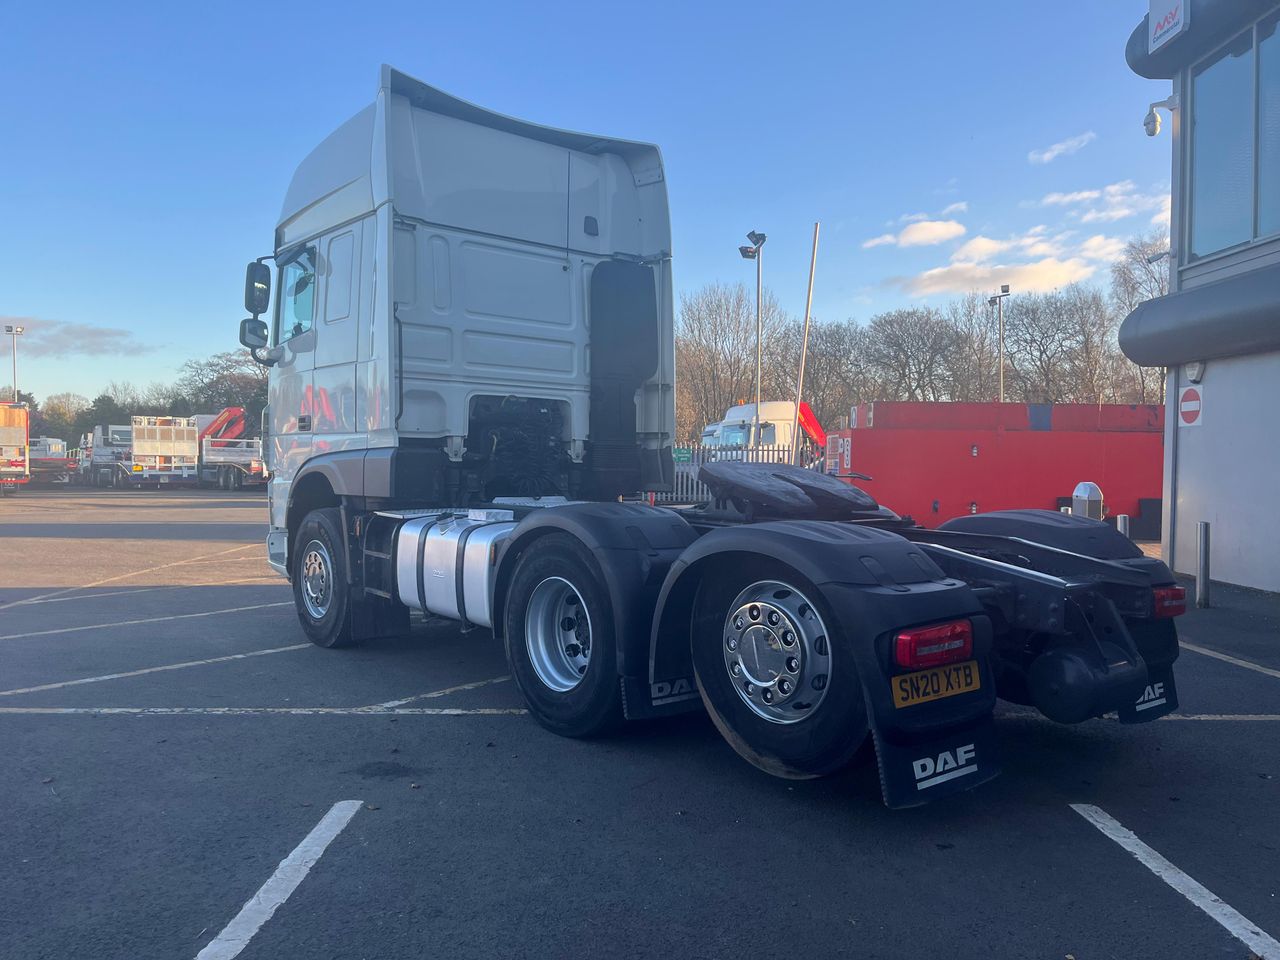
[[775, 670], [560, 639], [319, 577]]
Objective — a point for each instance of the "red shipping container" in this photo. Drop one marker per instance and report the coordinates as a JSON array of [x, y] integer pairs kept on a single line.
[[935, 461]]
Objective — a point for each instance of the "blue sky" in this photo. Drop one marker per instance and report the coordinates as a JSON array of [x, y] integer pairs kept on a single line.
[[147, 148]]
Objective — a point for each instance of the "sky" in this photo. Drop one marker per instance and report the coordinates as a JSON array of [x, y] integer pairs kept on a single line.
[[145, 149]]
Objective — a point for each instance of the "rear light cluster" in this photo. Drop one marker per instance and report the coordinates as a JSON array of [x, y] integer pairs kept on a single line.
[[17, 463], [1170, 601], [933, 646]]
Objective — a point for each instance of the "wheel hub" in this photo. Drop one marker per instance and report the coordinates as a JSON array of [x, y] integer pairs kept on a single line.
[[317, 579], [776, 651], [557, 631]]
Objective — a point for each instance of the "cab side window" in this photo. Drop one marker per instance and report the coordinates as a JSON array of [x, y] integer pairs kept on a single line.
[[297, 296]]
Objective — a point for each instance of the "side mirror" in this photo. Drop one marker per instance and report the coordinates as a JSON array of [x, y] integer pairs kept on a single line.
[[257, 289], [253, 333]]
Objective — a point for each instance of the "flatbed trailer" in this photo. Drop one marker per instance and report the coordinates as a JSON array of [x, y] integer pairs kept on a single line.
[[232, 464], [481, 473], [150, 452], [15, 461], [229, 458], [50, 462]]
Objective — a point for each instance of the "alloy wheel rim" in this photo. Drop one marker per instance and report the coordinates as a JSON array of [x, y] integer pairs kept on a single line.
[[777, 652]]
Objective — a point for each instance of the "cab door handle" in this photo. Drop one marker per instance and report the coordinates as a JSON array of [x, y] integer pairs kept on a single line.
[[304, 423]]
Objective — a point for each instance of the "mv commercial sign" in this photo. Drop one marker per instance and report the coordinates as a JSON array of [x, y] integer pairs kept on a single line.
[[1167, 19]]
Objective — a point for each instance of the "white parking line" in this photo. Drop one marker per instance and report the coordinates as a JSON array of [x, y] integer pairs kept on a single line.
[[269, 711], [138, 673], [170, 586], [132, 623], [1240, 927], [1245, 717], [1225, 658], [293, 869], [392, 704], [125, 576]]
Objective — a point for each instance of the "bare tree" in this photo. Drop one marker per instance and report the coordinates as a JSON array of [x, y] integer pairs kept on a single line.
[[716, 348], [64, 406], [973, 363], [911, 348], [1135, 278]]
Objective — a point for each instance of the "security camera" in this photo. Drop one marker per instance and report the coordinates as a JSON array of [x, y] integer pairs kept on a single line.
[[1151, 123]]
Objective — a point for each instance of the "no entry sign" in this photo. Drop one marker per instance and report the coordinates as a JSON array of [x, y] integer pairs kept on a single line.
[[1190, 406]]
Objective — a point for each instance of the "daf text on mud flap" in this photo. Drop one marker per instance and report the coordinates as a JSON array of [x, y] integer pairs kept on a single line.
[[1153, 696], [948, 765]]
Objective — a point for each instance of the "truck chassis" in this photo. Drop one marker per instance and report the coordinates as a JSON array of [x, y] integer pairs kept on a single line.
[[804, 617]]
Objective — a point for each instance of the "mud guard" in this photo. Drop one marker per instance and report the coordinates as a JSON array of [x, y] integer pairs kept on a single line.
[[880, 583], [634, 547]]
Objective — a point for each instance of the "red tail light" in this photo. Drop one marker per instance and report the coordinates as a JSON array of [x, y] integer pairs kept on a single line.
[[1170, 601], [17, 463], [932, 646]]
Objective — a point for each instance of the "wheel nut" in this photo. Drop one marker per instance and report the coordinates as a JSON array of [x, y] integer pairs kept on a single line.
[[793, 665], [773, 618], [753, 612], [732, 643], [736, 669], [788, 638], [784, 686], [738, 623], [751, 690], [768, 696]]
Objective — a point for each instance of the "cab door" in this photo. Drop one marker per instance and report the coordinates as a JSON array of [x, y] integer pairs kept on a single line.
[[334, 413], [291, 395]]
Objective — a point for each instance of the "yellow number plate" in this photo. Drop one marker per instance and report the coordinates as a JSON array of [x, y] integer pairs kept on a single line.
[[935, 683]]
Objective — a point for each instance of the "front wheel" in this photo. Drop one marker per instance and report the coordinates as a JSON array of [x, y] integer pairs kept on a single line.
[[560, 640], [775, 670], [319, 574]]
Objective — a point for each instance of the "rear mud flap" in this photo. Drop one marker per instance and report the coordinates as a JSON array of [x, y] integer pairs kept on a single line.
[[921, 768], [1159, 697]]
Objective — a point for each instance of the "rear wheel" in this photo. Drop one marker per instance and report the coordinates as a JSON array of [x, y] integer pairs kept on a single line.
[[319, 577], [775, 671], [560, 638]]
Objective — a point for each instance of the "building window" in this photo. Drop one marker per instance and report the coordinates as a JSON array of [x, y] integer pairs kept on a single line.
[[1234, 192], [1222, 149]]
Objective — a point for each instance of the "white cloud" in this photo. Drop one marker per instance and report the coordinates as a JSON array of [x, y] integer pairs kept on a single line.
[[928, 232], [1063, 148], [979, 249], [918, 233], [913, 217], [885, 239], [1161, 218], [1033, 243], [1063, 199], [960, 206], [1115, 201], [1035, 277], [1107, 214], [65, 338], [1102, 248]]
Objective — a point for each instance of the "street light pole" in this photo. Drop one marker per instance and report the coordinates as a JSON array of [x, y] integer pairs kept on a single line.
[[998, 302], [14, 333], [756, 252]]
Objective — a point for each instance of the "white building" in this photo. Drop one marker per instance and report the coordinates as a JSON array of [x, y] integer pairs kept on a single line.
[[1218, 330]]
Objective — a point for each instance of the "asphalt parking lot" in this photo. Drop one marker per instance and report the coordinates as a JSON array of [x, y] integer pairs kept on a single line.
[[167, 739]]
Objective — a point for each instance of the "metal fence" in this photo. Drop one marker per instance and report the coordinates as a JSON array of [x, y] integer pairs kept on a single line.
[[689, 460]]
